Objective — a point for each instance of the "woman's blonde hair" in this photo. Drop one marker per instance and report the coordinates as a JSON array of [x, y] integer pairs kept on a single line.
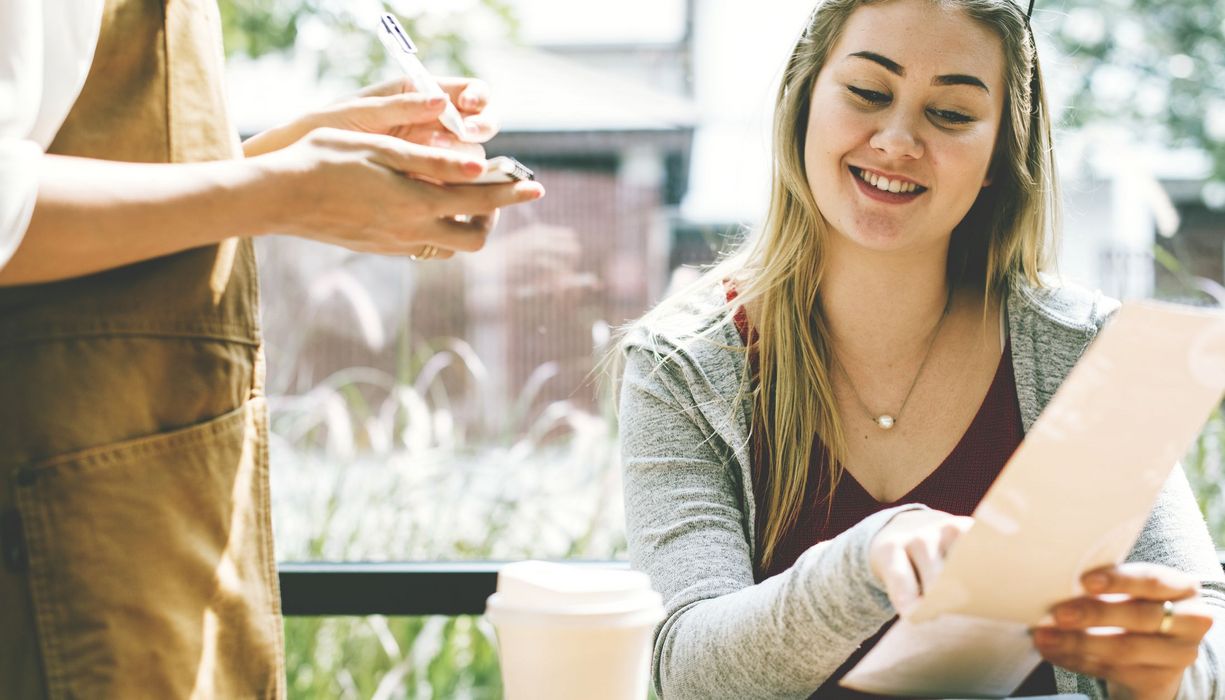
[[1007, 232]]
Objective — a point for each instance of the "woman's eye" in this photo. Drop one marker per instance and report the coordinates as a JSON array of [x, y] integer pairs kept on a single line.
[[879, 98], [870, 96], [952, 117]]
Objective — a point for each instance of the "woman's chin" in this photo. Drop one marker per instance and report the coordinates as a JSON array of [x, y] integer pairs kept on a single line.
[[875, 234], [889, 239]]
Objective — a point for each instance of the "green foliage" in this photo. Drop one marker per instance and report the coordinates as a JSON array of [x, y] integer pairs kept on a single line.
[[1151, 65], [1205, 467], [340, 35], [255, 28], [370, 466], [378, 657]]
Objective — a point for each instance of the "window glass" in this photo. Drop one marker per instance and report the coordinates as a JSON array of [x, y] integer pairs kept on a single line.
[[453, 409], [436, 410]]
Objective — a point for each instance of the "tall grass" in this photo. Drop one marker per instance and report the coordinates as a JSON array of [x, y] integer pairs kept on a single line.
[[368, 467], [356, 477], [1205, 467], [382, 658]]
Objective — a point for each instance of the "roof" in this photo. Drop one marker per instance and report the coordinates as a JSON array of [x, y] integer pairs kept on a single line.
[[541, 91], [536, 91]]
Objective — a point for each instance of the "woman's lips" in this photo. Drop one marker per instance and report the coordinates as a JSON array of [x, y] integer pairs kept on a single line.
[[883, 195]]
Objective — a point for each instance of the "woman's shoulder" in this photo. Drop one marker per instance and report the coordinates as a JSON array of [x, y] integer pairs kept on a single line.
[[1054, 302], [689, 352], [1050, 326], [690, 321], [693, 339]]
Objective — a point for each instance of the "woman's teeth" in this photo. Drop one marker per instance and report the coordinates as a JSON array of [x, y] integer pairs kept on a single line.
[[885, 184]]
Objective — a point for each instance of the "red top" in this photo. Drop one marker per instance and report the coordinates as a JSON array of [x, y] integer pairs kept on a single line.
[[956, 486]]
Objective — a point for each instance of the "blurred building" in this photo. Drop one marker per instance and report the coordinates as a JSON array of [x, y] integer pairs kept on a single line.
[[608, 127], [1137, 223]]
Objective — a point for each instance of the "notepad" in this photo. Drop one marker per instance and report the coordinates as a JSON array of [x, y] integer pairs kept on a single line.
[[1073, 497]]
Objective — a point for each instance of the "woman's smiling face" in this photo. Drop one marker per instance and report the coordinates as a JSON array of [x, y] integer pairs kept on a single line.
[[912, 93]]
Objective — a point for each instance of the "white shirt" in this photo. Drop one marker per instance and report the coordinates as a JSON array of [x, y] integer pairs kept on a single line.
[[46, 47]]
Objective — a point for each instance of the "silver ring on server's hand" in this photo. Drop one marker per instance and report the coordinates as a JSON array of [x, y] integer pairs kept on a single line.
[[1167, 618]]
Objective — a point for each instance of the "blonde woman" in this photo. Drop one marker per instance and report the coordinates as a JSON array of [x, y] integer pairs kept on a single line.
[[805, 430]]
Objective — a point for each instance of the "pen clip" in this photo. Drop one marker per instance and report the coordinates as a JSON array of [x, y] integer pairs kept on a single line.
[[391, 26]]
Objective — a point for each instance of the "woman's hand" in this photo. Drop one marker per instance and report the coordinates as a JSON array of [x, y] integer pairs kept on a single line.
[[377, 172], [378, 194], [392, 108], [907, 554], [1147, 644]]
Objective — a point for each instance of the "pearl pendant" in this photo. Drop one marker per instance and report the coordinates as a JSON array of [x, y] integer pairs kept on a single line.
[[885, 422]]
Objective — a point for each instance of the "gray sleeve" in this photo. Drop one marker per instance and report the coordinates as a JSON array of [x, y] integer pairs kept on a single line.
[[1176, 536], [722, 635]]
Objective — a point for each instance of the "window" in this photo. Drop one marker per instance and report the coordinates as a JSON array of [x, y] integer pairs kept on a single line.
[[448, 410]]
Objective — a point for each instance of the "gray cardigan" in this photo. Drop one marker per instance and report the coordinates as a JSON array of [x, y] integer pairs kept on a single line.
[[690, 514]]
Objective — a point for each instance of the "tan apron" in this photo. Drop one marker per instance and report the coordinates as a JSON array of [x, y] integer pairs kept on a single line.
[[135, 537]]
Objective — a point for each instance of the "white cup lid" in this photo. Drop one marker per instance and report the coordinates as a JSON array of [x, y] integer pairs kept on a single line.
[[569, 587]]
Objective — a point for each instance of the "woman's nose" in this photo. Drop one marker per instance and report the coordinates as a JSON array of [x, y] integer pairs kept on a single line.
[[897, 137]]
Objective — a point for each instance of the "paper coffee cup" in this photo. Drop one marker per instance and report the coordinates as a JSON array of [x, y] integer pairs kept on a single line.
[[574, 631]]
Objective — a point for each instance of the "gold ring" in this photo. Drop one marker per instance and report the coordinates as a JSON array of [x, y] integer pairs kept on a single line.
[[426, 253], [1167, 618]]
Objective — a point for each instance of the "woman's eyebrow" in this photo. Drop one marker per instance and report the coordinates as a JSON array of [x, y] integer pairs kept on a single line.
[[893, 67]]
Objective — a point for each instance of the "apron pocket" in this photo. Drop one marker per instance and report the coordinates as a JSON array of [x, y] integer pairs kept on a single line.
[[150, 564]]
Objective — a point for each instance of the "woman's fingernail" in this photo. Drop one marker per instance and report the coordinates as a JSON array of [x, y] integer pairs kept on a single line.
[[1096, 581], [535, 191], [436, 101], [472, 167]]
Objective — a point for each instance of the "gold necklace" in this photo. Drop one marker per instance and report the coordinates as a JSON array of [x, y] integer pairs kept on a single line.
[[886, 421]]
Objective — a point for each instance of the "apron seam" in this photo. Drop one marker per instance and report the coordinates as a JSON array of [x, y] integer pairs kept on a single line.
[[167, 82], [67, 335], [274, 587], [46, 619], [100, 457], [251, 261]]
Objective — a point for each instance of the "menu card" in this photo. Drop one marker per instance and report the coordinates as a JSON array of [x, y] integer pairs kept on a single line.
[[1073, 497]]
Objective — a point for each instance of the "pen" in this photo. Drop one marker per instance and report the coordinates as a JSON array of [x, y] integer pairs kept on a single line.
[[404, 52]]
